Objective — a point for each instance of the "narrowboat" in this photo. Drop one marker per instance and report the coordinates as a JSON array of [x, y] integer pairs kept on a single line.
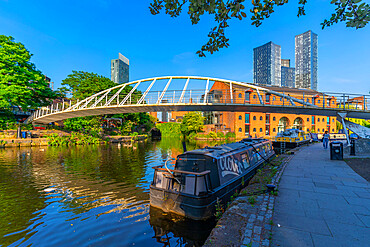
[[204, 177], [291, 138]]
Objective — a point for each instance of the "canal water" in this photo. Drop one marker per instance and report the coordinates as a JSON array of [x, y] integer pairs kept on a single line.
[[94, 195]]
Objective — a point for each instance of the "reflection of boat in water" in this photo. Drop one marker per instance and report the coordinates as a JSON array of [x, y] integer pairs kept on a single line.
[[189, 232], [291, 138], [204, 176]]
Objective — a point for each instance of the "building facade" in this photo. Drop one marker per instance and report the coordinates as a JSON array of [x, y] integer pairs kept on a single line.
[[285, 62], [259, 124], [120, 69], [267, 64], [306, 60], [287, 76]]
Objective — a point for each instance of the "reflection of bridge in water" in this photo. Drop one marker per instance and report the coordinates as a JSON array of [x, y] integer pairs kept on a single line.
[[192, 93]]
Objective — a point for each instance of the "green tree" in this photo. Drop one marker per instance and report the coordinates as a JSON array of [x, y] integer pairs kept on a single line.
[[192, 122], [355, 13], [84, 84], [21, 84]]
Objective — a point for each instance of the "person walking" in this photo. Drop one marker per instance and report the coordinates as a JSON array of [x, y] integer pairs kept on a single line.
[[325, 139]]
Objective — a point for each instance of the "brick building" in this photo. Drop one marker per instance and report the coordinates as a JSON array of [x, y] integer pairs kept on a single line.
[[259, 124]]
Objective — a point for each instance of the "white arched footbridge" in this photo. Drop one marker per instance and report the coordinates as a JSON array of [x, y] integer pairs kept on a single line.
[[193, 93]]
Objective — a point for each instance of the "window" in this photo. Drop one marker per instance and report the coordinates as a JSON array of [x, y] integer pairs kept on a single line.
[[260, 129], [273, 130], [267, 130], [247, 130], [327, 120], [240, 129], [254, 118], [267, 98], [274, 119], [332, 120], [318, 130], [308, 100], [247, 96], [281, 98], [323, 120], [328, 102], [308, 119], [332, 130], [254, 96], [267, 118], [313, 120], [318, 119], [254, 130], [240, 117], [261, 118], [323, 130], [240, 95], [318, 102], [273, 98], [247, 118]]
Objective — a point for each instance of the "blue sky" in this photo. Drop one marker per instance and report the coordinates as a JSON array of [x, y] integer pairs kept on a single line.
[[86, 34]]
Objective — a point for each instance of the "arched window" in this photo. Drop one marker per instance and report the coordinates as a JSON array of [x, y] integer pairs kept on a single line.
[[332, 120], [323, 119], [240, 117], [254, 96], [323, 130], [240, 129], [260, 129], [254, 118], [273, 130], [332, 130], [318, 102], [308, 119], [274, 119], [254, 129], [261, 118], [240, 95], [318, 119], [273, 98], [318, 130]]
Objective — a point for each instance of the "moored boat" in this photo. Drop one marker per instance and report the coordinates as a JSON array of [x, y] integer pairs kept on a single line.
[[203, 177]]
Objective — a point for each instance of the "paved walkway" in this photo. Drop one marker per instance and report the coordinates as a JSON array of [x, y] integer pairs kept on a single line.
[[321, 202]]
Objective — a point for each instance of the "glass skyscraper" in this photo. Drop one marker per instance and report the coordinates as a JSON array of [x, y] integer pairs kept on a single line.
[[120, 69], [306, 60], [287, 76], [267, 64]]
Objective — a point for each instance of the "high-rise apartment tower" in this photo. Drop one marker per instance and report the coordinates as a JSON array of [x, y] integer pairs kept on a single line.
[[267, 64], [119, 69], [306, 60]]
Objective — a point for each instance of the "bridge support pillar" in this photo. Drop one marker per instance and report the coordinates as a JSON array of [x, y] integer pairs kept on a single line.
[[341, 117]]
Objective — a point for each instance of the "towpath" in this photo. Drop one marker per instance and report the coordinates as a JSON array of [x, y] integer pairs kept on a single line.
[[321, 202]]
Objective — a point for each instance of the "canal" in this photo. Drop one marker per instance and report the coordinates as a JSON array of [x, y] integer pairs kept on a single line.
[[94, 195]]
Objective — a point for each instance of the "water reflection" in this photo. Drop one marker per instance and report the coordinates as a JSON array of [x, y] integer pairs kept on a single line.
[[86, 195]]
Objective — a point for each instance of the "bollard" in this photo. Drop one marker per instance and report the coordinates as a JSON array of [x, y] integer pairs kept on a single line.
[[353, 149]]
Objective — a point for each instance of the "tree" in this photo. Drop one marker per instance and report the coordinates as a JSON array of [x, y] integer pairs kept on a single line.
[[84, 84], [192, 122], [355, 13], [21, 84]]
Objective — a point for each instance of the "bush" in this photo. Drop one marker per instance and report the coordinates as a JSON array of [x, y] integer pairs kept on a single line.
[[220, 135], [169, 129], [230, 135], [212, 135]]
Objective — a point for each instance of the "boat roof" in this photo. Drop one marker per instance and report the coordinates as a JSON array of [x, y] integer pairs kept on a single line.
[[223, 149]]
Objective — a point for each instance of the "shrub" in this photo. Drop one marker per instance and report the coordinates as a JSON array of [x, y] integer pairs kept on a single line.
[[230, 135], [212, 135], [220, 135]]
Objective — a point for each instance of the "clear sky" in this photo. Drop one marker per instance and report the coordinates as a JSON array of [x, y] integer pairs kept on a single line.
[[86, 34]]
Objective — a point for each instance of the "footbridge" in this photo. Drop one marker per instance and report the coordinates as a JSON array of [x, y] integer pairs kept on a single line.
[[194, 93]]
